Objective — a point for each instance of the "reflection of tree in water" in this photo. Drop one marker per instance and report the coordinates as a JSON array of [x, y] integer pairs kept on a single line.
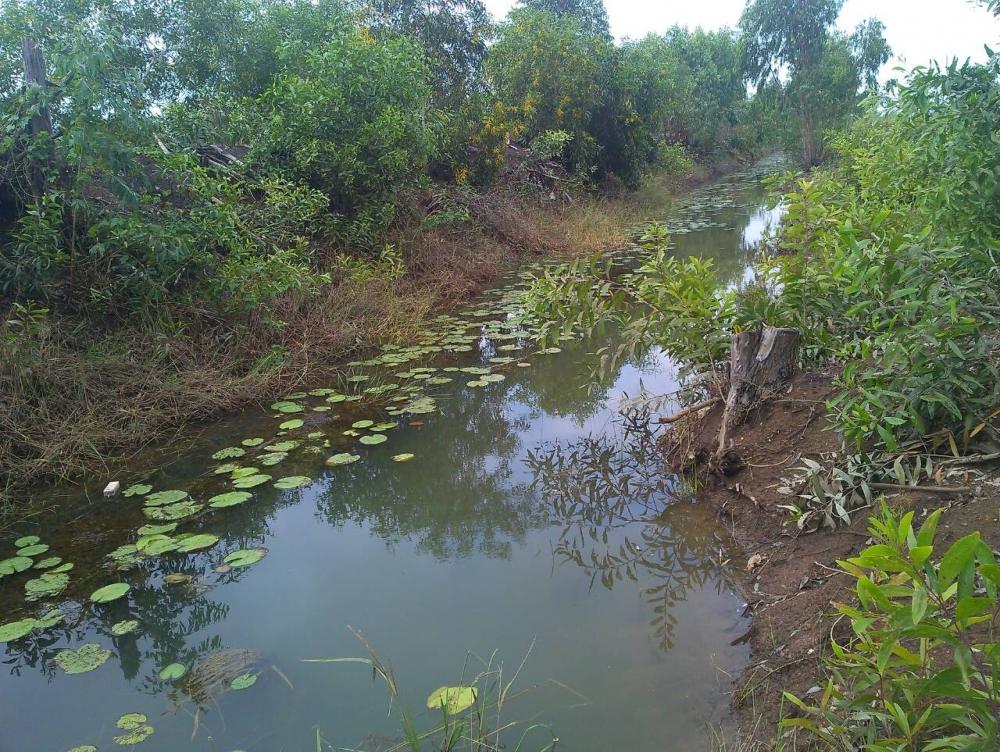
[[474, 506], [624, 518]]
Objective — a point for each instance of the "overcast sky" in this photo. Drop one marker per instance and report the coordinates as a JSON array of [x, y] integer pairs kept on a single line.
[[918, 30]]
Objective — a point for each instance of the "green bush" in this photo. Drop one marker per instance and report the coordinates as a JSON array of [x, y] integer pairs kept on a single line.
[[921, 669]]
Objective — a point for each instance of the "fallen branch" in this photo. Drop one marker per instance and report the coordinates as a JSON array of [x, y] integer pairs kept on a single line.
[[924, 489], [973, 459], [674, 417]]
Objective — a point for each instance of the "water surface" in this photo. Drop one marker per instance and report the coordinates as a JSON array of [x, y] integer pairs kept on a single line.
[[533, 524]]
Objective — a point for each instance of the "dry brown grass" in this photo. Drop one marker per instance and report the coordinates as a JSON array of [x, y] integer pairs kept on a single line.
[[77, 402]]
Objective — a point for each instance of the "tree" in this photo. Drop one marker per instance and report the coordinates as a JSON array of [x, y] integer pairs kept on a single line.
[[795, 38], [453, 33], [592, 14]]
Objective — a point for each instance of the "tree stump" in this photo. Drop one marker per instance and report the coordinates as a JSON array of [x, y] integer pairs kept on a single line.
[[761, 361]]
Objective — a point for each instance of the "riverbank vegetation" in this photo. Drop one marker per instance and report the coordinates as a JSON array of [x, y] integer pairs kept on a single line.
[[199, 201], [885, 269]]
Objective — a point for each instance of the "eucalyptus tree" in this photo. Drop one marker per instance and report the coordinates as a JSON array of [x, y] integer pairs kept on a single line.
[[825, 69]]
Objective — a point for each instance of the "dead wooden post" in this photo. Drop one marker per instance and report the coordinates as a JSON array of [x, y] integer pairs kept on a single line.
[[760, 362], [34, 76]]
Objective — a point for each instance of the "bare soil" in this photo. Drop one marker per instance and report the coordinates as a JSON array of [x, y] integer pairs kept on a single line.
[[790, 578]]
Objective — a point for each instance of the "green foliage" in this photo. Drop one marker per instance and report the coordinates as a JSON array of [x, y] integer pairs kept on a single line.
[[922, 667]]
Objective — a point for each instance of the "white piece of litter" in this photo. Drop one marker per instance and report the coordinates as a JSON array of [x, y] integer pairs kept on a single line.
[[112, 489]]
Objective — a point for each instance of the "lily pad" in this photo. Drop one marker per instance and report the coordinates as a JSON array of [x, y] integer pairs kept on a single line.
[[452, 699], [124, 627], [27, 540], [53, 617], [109, 593], [14, 565], [245, 557], [282, 446], [243, 472], [162, 498], [156, 545], [47, 585], [135, 736], [83, 659], [178, 579], [293, 481], [343, 458], [15, 630], [167, 527], [373, 439], [227, 467], [131, 721], [286, 406], [197, 542], [475, 383], [229, 453], [64, 567], [272, 458], [363, 424], [291, 425], [230, 499], [38, 548], [251, 481], [137, 489], [173, 512], [403, 457], [255, 441], [173, 672], [243, 681], [52, 561]]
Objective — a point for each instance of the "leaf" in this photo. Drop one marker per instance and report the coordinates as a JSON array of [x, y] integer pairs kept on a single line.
[[27, 540], [286, 406], [15, 565], [452, 699], [372, 439], [244, 557], [173, 512], [960, 554], [251, 481], [137, 489], [173, 671], [293, 481], [167, 527], [229, 453], [197, 542], [135, 736], [163, 498], [38, 548], [918, 604], [109, 593], [47, 585], [124, 627], [83, 659], [15, 630], [243, 681], [363, 424], [230, 499], [291, 425], [344, 458], [130, 721], [403, 457], [255, 441]]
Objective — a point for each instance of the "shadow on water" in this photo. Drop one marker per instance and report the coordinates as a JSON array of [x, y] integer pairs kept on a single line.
[[534, 512]]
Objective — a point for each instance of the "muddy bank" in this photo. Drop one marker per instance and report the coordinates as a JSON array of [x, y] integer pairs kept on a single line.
[[790, 578]]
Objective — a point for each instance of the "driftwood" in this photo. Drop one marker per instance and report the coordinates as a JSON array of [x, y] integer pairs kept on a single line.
[[761, 362], [674, 417]]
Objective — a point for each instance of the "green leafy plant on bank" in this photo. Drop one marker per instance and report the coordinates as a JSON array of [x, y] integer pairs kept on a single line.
[[921, 667]]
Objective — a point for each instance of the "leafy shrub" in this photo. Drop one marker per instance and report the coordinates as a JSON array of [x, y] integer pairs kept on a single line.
[[921, 669]]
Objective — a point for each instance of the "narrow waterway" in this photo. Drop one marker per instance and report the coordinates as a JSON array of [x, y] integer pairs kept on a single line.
[[512, 515]]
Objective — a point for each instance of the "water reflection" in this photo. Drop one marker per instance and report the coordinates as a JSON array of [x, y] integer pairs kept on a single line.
[[625, 519]]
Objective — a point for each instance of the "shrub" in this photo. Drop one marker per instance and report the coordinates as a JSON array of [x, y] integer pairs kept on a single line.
[[921, 669]]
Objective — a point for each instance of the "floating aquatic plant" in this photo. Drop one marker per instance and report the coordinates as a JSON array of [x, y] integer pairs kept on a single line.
[[282, 446], [272, 458], [52, 561], [229, 453], [244, 557], [243, 472], [162, 498], [292, 481], [167, 527], [136, 728], [14, 565], [286, 406], [178, 579], [109, 593], [83, 659], [403, 457], [373, 439], [124, 627], [452, 699], [291, 425], [255, 441], [137, 489], [196, 542], [47, 585], [27, 540], [34, 550], [173, 671], [363, 424], [343, 458], [173, 512], [230, 499], [251, 481], [243, 681], [15, 630]]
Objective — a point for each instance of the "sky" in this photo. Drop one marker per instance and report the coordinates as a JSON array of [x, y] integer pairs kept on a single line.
[[917, 30]]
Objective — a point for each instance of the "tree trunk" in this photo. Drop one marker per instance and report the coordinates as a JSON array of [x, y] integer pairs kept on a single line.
[[761, 361], [34, 75]]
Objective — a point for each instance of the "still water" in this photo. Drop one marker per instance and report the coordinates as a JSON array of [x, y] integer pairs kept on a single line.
[[533, 527]]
